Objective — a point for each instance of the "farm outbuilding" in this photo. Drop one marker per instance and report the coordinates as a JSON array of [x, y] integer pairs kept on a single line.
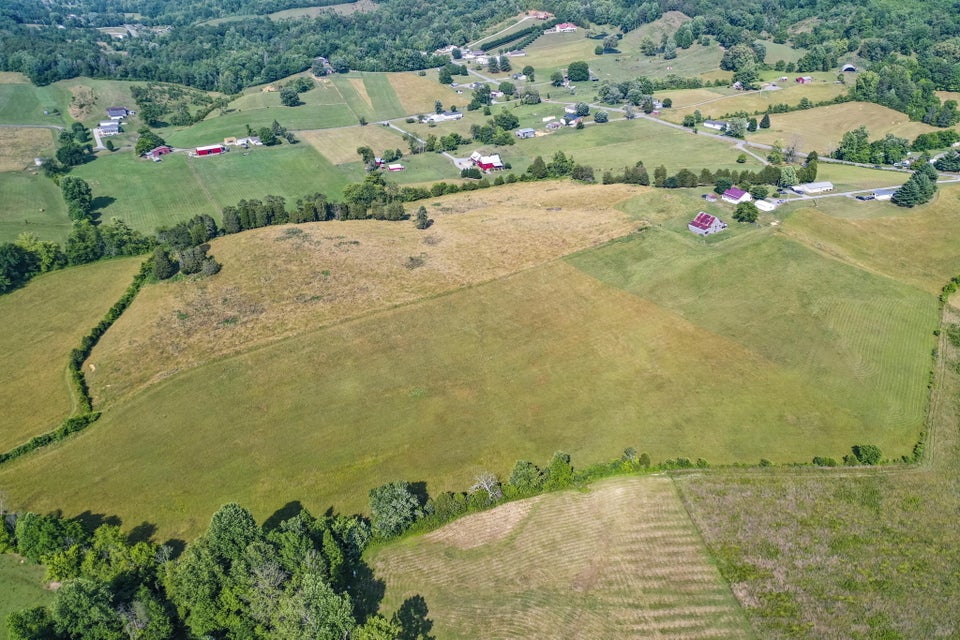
[[810, 188], [526, 133], [719, 125], [211, 150], [766, 205], [884, 194], [705, 224], [395, 167]]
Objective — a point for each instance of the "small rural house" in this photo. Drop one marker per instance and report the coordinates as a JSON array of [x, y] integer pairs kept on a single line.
[[395, 167], [565, 27], [488, 163], [526, 133], [109, 128], [118, 113], [766, 205], [444, 116], [210, 150], [804, 79], [884, 194], [705, 224], [736, 195], [719, 125], [810, 188]]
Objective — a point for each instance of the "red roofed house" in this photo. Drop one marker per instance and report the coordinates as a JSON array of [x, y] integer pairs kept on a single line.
[[705, 224], [735, 195], [565, 27], [487, 163]]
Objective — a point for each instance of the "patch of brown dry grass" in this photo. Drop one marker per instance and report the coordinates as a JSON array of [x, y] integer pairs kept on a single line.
[[361, 89], [13, 77], [282, 281], [621, 560], [82, 102], [418, 94], [340, 145], [18, 147]]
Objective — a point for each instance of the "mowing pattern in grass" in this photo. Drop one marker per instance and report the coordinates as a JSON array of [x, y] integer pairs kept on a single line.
[[417, 94], [18, 147], [31, 203], [340, 145], [620, 561], [866, 340], [42, 323], [904, 246], [22, 588]]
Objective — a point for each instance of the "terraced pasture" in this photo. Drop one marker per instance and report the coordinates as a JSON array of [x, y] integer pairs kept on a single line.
[[620, 560], [43, 322]]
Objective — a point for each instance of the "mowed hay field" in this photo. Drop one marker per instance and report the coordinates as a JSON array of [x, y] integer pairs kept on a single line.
[[42, 323], [22, 588], [32, 203], [821, 129], [621, 560], [309, 276], [730, 101], [417, 93], [18, 147], [340, 146]]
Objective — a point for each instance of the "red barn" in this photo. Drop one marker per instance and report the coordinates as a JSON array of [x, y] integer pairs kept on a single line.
[[212, 150]]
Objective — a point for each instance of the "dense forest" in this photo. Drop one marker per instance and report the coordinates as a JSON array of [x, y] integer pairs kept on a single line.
[[913, 48]]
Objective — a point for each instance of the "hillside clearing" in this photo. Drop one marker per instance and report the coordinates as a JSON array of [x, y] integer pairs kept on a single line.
[[43, 322], [620, 560], [22, 588]]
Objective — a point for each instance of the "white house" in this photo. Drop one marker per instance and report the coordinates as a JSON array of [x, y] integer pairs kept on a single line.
[[884, 194], [444, 116], [109, 128], [736, 195], [705, 224], [565, 27]]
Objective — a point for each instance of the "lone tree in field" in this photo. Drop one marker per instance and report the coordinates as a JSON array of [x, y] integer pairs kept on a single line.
[[765, 121], [78, 196], [289, 97], [746, 212], [422, 221], [578, 71]]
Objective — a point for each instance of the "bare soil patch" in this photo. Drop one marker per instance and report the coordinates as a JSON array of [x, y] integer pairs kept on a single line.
[[82, 102]]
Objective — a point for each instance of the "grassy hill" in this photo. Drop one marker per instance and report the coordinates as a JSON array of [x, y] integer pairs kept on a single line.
[[619, 560], [779, 350], [31, 203], [22, 588]]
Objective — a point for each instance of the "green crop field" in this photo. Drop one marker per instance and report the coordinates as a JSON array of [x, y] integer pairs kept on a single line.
[[151, 194], [31, 203], [621, 559], [43, 322], [23, 103], [22, 588]]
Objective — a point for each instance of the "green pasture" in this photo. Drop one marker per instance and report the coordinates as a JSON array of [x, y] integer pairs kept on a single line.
[[690, 62], [781, 52], [32, 203], [151, 194], [22, 588], [588, 356], [866, 340], [25, 104], [42, 322], [616, 144]]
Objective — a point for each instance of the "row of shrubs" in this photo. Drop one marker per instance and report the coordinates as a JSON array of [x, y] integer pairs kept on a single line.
[[86, 415]]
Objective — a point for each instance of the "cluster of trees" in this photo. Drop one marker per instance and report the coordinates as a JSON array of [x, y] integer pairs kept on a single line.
[[160, 104], [950, 161], [449, 70], [935, 140], [534, 30], [746, 61], [560, 166], [919, 189], [855, 146], [87, 242], [722, 179], [187, 243], [290, 94], [295, 577], [860, 454], [496, 130], [74, 146]]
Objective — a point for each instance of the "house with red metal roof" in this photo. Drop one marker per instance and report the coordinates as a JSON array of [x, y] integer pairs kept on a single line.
[[705, 224], [736, 195]]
